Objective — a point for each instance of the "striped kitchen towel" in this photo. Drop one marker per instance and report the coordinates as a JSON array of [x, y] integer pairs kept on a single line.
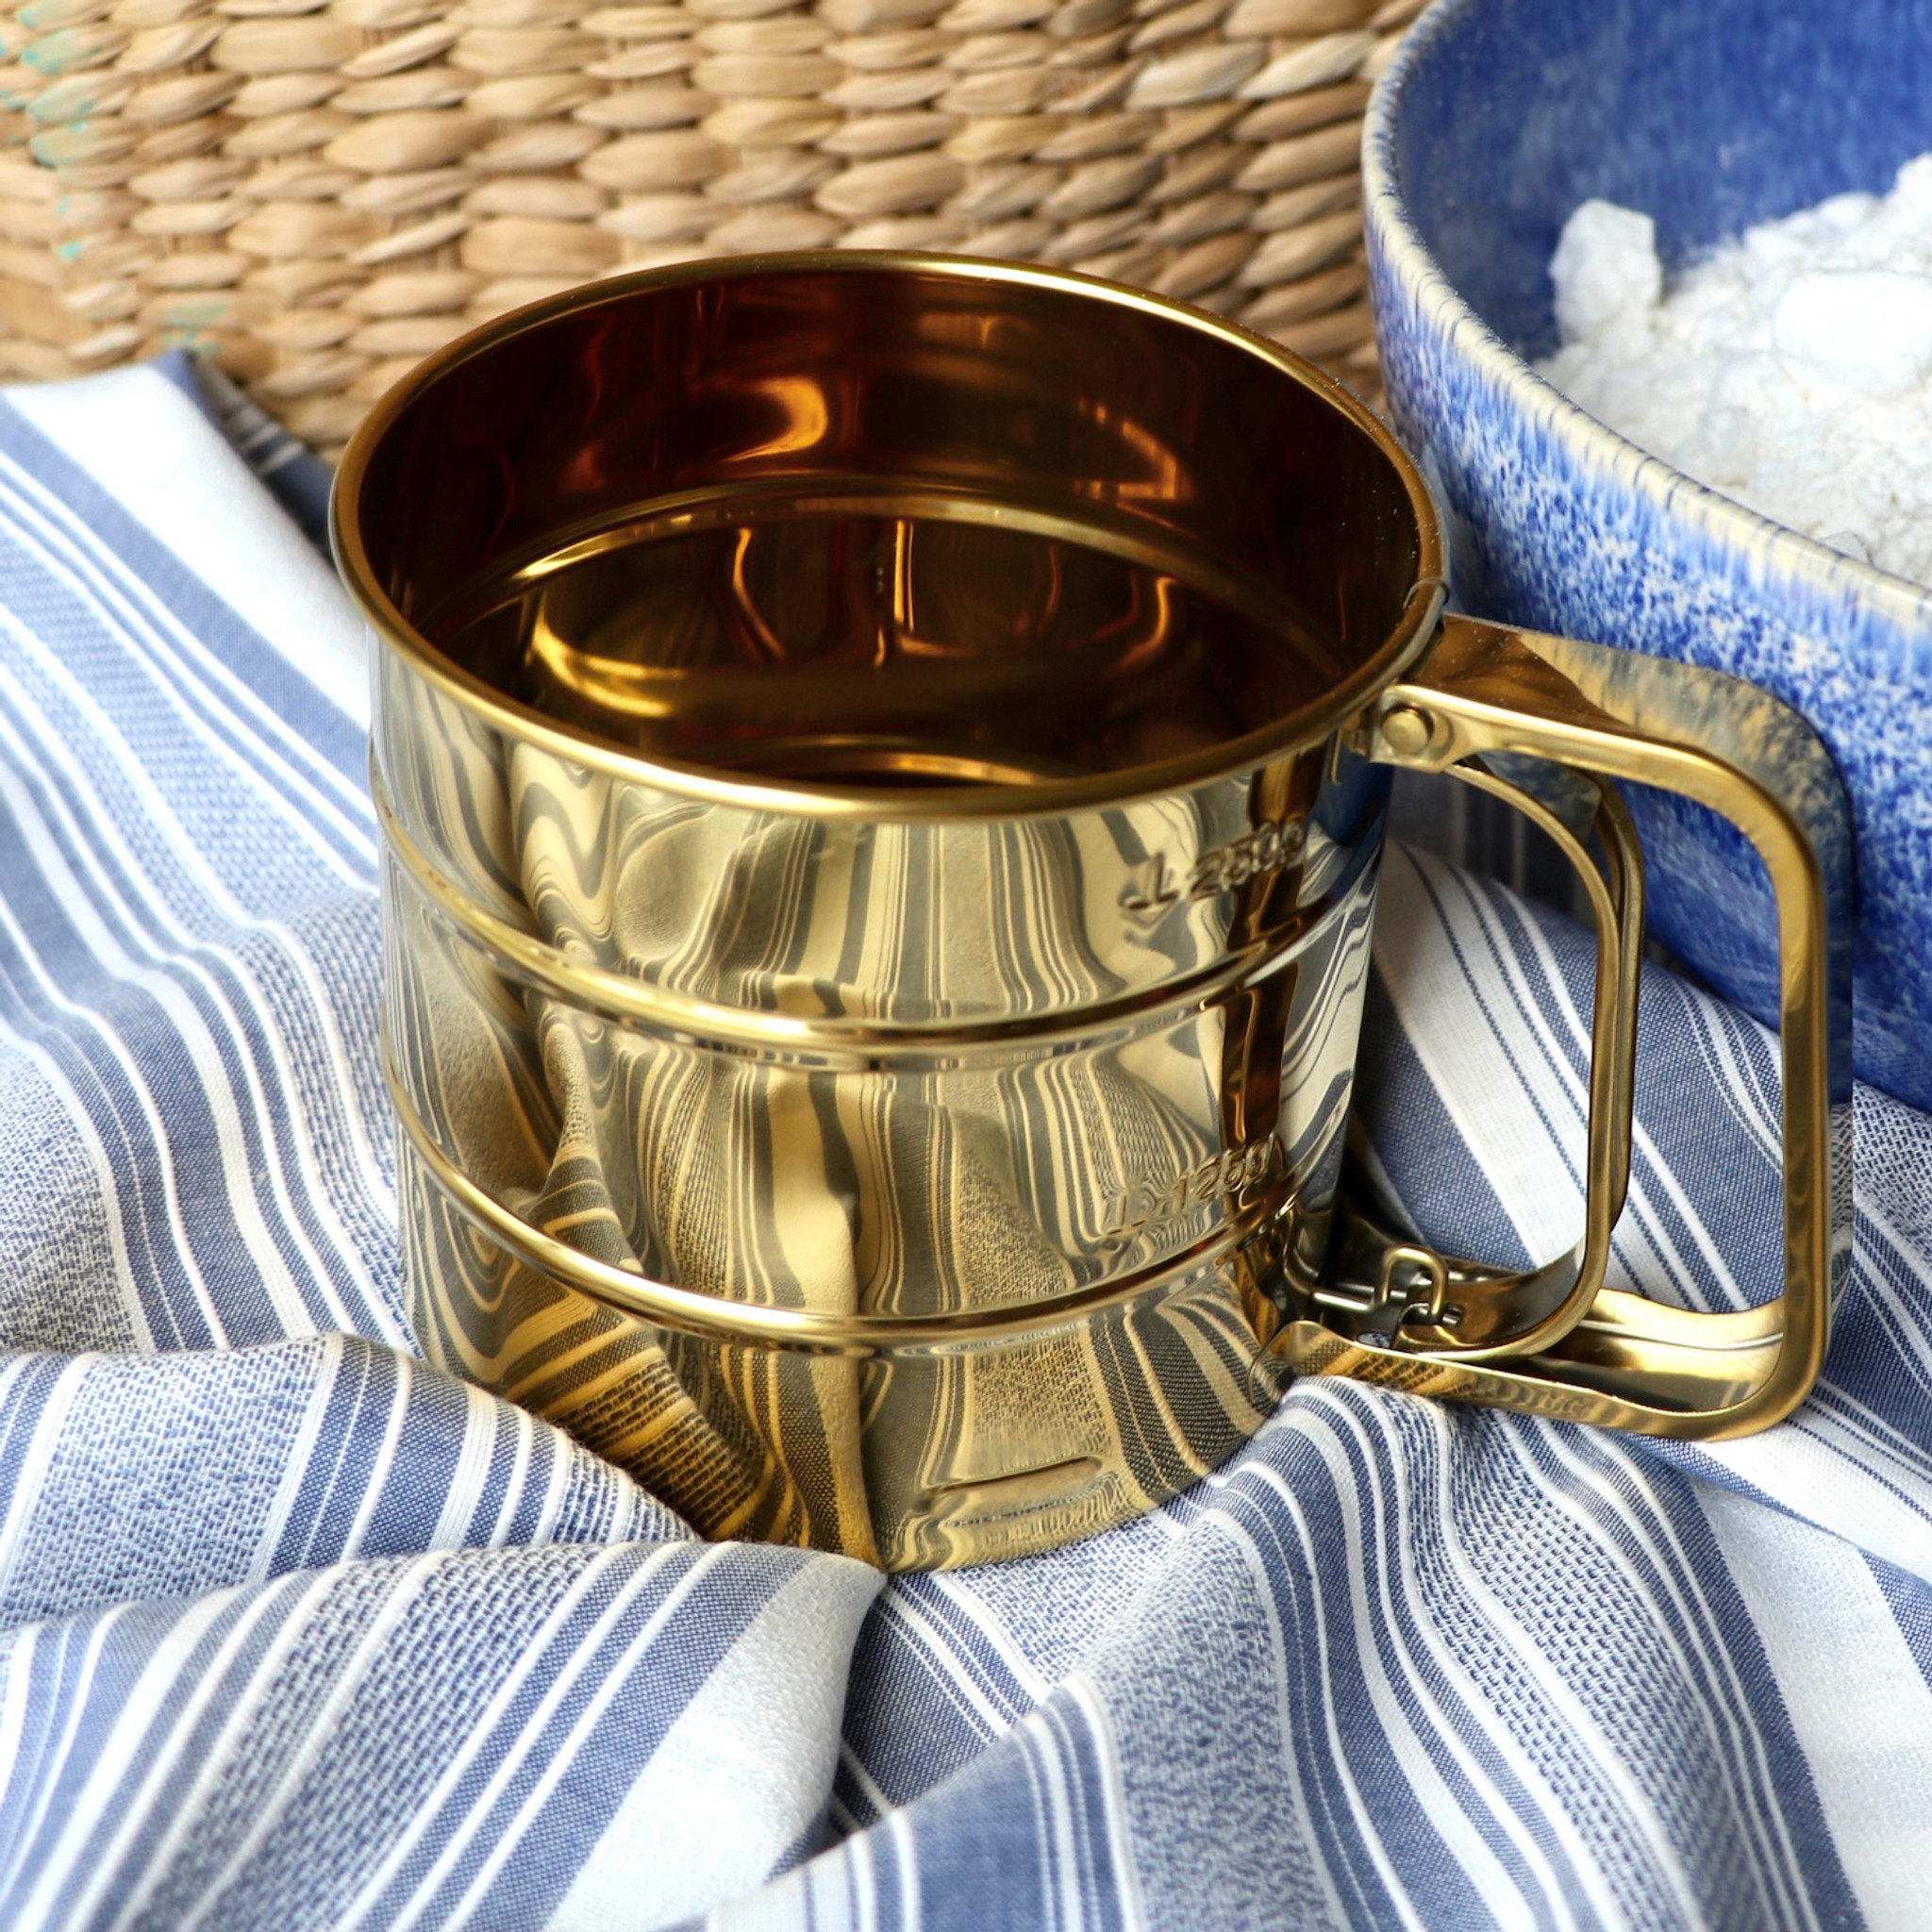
[[294, 1631]]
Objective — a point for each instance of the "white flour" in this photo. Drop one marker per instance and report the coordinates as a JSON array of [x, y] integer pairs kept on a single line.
[[1789, 368]]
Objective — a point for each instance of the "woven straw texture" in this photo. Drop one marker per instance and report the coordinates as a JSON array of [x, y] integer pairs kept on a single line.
[[318, 195]]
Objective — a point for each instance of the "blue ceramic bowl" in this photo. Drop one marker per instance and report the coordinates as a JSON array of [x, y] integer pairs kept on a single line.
[[1496, 120]]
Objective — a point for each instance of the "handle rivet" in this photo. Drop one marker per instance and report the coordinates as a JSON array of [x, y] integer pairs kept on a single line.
[[1405, 731]]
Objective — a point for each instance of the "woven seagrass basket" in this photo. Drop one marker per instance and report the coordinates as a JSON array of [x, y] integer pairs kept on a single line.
[[317, 192]]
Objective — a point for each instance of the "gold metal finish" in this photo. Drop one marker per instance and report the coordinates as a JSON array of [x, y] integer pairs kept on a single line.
[[882, 765]]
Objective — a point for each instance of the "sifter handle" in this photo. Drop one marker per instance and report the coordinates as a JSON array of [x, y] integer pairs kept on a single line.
[[1554, 1340]]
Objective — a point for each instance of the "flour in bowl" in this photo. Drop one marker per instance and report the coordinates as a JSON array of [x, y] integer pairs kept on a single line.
[[1790, 369]]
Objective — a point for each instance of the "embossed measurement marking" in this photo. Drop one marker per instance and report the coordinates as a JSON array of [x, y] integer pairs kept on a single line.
[[1147, 1204], [1153, 889]]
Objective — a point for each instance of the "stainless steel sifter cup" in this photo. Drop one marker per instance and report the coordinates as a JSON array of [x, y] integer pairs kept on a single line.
[[882, 764]]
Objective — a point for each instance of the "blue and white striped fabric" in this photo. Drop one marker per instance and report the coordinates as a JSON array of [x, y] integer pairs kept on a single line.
[[294, 1631]]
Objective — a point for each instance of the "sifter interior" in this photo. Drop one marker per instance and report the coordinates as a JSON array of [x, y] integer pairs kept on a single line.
[[871, 522]]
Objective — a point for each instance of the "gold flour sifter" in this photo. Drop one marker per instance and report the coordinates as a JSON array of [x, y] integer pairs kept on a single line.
[[882, 763]]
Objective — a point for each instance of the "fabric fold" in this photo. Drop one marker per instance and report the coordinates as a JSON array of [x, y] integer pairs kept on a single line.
[[441, 1739], [128, 1476]]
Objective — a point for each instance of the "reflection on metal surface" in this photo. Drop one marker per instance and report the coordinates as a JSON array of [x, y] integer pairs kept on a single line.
[[882, 766], [1118, 1190], [937, 649]]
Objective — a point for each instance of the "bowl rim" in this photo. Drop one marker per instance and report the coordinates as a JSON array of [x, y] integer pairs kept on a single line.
[[1597, 450]]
